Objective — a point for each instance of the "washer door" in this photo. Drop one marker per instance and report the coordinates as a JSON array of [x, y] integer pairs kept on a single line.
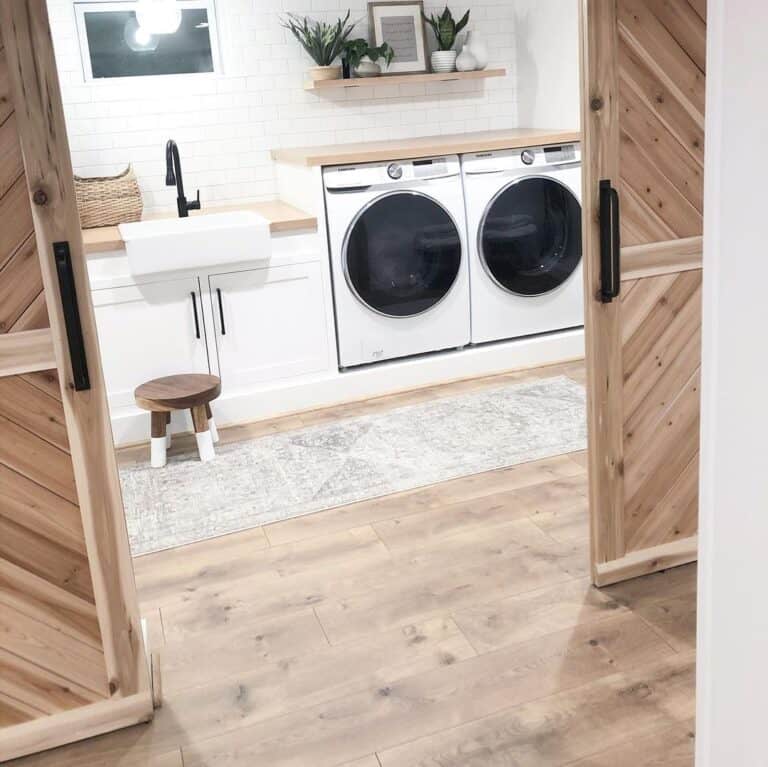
[[402, 254], [530, 236]]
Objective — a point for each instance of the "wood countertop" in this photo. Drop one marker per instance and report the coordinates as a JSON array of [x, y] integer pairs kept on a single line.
[[405, 149], [281, 216]]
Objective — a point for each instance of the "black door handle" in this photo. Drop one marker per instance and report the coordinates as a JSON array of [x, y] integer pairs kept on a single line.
[[194, 309], [610, 243], [221, 313], [71, 311]]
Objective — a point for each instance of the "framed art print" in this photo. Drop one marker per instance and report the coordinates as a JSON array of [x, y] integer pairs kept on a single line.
[[400, 23]]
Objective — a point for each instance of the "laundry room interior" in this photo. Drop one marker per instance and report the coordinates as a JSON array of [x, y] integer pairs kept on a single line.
[[335, 254]]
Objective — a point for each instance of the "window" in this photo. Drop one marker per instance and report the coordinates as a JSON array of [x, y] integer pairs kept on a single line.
[[114, 44]]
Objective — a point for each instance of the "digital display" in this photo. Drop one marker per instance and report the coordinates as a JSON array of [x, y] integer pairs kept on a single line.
[[561, 153]]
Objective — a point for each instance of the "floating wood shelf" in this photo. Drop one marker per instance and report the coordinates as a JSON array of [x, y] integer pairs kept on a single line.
[[436, 77]]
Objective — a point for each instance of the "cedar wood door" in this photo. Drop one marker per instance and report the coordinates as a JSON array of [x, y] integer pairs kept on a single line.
[[643, 71], [70, 640]]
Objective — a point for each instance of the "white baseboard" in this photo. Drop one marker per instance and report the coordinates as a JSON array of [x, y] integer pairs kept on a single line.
[[131, 425]]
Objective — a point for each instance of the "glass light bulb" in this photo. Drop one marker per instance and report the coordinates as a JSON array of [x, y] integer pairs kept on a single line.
[[158, 17]]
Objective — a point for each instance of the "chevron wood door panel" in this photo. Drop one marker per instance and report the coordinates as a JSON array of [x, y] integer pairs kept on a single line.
[[72, 660], [644, 79]]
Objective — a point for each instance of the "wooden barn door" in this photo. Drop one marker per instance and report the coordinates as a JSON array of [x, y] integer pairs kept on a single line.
[[643, 118], [72, 661]]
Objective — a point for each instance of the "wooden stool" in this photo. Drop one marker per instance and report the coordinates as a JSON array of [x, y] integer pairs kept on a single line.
[[191, 391]]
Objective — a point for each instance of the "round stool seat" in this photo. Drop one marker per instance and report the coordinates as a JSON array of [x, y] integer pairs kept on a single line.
[[178, 392]]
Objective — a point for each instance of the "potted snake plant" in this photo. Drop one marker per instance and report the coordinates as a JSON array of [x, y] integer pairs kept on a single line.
[[446, 29], [323, 42]]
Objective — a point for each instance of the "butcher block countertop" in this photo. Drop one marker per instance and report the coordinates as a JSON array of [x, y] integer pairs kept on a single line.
[[406, 149], [281, 216]]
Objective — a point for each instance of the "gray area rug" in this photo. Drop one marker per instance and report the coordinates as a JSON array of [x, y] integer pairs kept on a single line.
[[284, 475]]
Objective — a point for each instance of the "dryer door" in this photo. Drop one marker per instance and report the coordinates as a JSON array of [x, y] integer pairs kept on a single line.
[[402, 254], [529, 238]]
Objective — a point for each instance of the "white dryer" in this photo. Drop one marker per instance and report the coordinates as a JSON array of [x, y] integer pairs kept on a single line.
[[524, 221], [399, 260]]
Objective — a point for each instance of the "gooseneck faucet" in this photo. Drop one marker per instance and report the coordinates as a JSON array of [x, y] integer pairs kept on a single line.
[[173, 177]]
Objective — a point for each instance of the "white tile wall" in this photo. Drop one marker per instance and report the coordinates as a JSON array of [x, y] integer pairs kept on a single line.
[[226, 124]]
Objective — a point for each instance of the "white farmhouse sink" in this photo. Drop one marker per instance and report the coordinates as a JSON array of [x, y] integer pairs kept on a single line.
[[198, 242]]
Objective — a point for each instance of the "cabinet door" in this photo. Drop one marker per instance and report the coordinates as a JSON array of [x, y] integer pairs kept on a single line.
[[270, 324], [147, 331]]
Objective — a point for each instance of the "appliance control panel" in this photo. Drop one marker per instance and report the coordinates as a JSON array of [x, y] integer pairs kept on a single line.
[[352, 177], [521, 159]]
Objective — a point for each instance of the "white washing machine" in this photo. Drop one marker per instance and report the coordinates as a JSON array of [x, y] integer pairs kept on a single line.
[[399, 258], [524, 221]]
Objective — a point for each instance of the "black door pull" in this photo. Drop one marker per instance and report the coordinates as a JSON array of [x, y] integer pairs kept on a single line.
[[221, 313], [194, 309], [71, 311], [610, 243]]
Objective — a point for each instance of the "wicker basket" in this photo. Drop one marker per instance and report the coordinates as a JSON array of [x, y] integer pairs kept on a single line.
[[108, 201]]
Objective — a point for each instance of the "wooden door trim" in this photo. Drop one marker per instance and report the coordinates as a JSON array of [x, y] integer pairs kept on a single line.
[[647, 561], [43, 135], [70, 726], [27, 352], [600, 121], [659, 258]]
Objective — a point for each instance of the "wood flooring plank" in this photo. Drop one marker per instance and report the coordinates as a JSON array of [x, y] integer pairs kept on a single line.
[[670, 747], [554, 730], [239, 646], [526, 616], [674, 619], [427, 527], [206, 568], [398, 505], [394, 712]]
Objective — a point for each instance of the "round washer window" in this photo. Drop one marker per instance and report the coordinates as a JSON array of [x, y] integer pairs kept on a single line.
[[530, 237], [402, 254]]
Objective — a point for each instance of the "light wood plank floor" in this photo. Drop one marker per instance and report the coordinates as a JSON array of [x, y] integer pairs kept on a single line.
[[450, 626]]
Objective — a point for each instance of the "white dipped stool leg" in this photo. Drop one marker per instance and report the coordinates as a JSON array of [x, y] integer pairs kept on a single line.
[[212, 423], [168, 431], [159, 452], [203, 434], [205, 446], [159, 445]]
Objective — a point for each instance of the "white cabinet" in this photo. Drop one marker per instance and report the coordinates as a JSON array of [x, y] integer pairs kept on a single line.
[[269, 324], [147, 331]]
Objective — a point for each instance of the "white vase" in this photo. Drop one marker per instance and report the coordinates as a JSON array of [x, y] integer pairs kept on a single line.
[[367, 68], [465, 61], [444, 61], [478, 49]]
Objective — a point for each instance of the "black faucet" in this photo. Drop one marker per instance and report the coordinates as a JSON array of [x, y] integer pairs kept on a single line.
[[173, 178]]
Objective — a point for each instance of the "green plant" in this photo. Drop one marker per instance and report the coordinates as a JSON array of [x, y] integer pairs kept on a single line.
[[446, 28], [323, 42], [356, 50]]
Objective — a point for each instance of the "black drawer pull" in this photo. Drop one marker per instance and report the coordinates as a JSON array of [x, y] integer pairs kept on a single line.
[[221, 313], [194, 309]]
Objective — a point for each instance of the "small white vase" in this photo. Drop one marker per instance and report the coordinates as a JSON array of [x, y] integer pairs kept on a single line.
[[444, 61], [367, 68], [465, 61], [478, 49]]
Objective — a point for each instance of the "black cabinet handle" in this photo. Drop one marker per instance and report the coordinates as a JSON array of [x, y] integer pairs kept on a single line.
[[194, 309], [221, 313], [71, 311], [610, 243]]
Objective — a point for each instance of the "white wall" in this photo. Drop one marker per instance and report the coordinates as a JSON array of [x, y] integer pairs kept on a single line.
[[733, 603], [226, 125]]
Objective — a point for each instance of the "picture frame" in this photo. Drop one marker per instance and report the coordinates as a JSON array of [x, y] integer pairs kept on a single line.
[[401, 24]]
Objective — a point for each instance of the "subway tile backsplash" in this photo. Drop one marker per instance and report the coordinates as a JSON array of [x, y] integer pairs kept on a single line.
[[225, 124]]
